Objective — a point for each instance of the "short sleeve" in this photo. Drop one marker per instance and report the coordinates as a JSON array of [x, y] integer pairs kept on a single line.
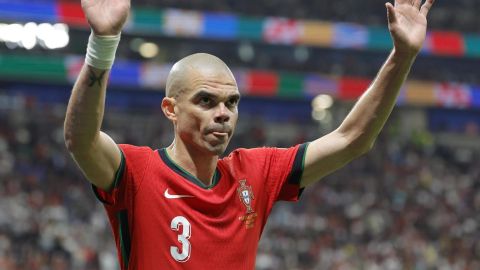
[[284, 169], [277, 170], [128, 178]]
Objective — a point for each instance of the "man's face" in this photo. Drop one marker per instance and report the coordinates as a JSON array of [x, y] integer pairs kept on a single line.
[[207, 111]]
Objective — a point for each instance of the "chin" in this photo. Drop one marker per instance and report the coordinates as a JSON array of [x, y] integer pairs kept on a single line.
[[217, 150]]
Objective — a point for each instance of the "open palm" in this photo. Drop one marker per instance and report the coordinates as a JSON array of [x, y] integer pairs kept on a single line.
[[407, 22], [106, 17]]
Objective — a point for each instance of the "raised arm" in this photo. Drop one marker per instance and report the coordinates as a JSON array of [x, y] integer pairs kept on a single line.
[[355, 136], [95, 152]]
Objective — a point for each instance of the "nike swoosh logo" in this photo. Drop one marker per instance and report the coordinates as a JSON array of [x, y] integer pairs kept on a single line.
[[175, 196]]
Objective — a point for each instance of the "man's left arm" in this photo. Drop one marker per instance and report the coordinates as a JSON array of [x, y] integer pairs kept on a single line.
[[355, 136]]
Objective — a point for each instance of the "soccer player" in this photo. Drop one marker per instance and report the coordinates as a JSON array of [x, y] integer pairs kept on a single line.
[[182, 207]]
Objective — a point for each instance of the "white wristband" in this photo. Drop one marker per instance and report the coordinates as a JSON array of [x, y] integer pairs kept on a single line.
[[101, 51]]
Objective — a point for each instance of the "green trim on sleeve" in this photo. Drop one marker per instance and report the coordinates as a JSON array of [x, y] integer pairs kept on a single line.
[[124, 234], [120, 170], [304, 155], [298, 165], [116, 181]]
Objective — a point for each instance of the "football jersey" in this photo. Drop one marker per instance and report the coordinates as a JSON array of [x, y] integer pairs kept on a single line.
[[165, 218]]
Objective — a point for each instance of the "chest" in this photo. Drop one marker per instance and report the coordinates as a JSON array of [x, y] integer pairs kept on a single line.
[[231, 207], [186, 223]]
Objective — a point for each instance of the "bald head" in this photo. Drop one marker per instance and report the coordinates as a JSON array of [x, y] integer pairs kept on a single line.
[[194, 65]]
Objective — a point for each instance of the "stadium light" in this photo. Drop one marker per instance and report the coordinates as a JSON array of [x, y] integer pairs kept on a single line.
[[322, 102], [301, 54], [322, 116], [148, 50], [54, 36], [29, 35], [320, 108], [246, 52]]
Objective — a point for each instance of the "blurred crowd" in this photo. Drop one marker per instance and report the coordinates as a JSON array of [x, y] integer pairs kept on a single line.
[[404, 205], [452, 15], [408, 204]]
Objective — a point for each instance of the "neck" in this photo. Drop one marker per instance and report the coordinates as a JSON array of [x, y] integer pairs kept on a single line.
[[197, 163]]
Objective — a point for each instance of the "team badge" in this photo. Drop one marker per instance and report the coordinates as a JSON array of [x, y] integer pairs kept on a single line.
[[246, 197]]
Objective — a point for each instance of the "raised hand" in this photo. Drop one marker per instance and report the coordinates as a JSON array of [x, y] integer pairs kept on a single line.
[[407, 22], [106, 17]]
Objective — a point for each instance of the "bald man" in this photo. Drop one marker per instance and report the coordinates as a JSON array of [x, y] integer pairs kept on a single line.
[[182, 207]]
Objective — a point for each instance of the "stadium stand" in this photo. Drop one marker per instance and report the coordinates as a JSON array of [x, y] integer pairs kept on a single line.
[[449, 15]]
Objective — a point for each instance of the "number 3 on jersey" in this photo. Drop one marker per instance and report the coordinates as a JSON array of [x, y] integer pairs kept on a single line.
[[182, 238]]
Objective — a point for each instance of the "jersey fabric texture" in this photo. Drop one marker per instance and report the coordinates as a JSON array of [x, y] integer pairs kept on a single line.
[[164, 218]]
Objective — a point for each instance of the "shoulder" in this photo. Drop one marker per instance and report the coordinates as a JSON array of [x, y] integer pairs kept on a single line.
[[128, 148], [249, 156], [133, 153], [261, 154], [248, 153]]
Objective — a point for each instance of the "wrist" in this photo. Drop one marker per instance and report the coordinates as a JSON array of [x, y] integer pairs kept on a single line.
[[404, 54], [101, 50]]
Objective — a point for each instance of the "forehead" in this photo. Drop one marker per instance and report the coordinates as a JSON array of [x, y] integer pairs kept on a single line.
[[217, 82]]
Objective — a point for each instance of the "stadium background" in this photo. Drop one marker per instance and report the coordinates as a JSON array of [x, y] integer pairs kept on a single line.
[[411, 203]]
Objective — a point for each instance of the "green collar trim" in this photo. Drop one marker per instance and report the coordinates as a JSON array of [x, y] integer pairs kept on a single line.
[[185, 174]]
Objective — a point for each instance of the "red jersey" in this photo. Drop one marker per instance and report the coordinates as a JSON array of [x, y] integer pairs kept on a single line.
[[165, 218]]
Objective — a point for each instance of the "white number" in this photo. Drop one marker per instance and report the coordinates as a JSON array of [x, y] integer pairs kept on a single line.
[[182, 238]]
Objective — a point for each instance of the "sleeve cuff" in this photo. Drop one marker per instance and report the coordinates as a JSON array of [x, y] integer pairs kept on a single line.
[[298, 164]]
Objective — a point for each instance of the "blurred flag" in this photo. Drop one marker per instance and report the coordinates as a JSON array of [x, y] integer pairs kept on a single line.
[[419, 93], [453, 95], [346, 35], [281, 30], [447, 43], [183, 23], [351, 88], [317, 84], [220, 25], [262, 83], [316, 33], [154, 76]]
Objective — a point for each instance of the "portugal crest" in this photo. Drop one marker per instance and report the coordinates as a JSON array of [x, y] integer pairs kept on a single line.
[[246, 197]]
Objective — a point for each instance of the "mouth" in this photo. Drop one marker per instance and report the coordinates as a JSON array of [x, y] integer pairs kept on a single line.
[[219, 131], [220, 134]]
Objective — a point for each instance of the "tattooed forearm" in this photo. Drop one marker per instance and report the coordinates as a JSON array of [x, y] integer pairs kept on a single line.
[[94, 79]]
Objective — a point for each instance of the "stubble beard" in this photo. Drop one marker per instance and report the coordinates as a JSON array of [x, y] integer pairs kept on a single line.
[[218, 149]]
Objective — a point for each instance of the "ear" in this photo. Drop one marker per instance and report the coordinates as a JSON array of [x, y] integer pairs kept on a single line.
[[168, 108]]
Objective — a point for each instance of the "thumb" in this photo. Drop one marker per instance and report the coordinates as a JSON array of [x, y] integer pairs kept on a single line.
[[390, 13]]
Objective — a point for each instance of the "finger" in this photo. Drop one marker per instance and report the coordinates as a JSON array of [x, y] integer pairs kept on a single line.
[[390, 13], [417, 3], [426, 7]]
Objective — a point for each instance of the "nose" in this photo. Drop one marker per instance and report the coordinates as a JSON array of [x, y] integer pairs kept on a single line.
[[222, 114]]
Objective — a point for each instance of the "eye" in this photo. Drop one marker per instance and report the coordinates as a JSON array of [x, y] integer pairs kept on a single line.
[[205, 101], [232, 102]]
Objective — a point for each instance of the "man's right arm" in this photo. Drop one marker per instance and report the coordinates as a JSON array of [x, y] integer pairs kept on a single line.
[[95, 152]]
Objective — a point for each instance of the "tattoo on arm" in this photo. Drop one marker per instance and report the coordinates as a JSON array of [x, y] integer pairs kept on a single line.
[[94, 79]]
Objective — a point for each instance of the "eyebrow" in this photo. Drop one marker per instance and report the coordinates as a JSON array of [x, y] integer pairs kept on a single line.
[[203, 94]]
